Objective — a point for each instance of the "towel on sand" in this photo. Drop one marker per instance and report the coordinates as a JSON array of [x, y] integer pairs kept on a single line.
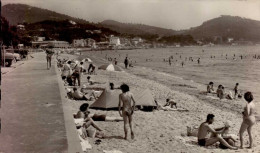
[[82, 136]]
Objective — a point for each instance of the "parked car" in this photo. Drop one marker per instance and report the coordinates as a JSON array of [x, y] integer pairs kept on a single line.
[[22, 52], [16, 56], [9, 59]]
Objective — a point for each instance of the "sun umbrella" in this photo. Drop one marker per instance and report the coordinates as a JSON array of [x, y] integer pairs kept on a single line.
[[110, 67]]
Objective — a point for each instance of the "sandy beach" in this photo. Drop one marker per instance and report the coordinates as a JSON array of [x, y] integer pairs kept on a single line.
[[165, 131]]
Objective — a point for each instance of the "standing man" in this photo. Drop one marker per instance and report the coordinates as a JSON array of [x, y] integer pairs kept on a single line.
[[78, 72], [127, 110], [49, 54], [126, 62]]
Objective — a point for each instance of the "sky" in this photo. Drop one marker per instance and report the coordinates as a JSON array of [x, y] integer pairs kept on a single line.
[[171, 14]]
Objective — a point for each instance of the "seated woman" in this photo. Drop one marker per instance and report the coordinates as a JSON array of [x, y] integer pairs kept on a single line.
[[88, 122]]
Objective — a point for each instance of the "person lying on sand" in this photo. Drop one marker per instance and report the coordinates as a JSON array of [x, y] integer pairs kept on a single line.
[[204, 128], [168, 108], [91, 82], [88, 121], [78, 95], [96, 117], [127, 110]]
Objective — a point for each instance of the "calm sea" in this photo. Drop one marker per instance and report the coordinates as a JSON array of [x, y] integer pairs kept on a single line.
[[220, 64]]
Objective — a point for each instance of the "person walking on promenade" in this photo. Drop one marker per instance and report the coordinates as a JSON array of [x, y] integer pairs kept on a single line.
[[49, 54]]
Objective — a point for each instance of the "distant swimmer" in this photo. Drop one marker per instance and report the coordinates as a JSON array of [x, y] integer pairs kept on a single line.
[[198, 60], [182, 63]]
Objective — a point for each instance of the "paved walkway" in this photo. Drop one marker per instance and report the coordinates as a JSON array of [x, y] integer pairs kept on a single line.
[[31, 110]]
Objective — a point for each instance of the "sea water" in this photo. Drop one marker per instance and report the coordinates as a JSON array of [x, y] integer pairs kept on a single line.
[[219, 64]]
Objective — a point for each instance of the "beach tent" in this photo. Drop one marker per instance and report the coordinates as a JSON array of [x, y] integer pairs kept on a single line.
[[109, 99], [110, 67]]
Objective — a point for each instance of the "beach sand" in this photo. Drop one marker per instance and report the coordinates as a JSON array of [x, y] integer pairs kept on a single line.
[[165, 131]]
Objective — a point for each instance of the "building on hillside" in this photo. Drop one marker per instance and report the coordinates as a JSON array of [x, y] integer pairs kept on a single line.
[[39, 44], [79, 43], [136, 40], [230, 40], [59, 44], [125, 41], [114, 40]]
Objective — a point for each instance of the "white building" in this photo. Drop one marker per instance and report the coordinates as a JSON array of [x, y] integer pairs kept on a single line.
[[79, 43], [58, 44], [230, 40], [137, 40], [114, 40]]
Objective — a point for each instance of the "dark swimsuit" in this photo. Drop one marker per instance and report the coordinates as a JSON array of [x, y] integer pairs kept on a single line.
[[97, 117], [202, 142]]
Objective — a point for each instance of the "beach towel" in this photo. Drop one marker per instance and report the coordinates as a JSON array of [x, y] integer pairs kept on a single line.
[[112, 151], [82, 133]]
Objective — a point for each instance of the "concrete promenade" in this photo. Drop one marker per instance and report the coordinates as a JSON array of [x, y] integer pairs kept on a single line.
[[32, 111]]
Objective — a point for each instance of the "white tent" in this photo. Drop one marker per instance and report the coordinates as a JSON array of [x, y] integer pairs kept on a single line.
[[110, 67]]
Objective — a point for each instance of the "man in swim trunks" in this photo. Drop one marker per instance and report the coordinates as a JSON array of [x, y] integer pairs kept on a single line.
[[204, 128], [127, 110]]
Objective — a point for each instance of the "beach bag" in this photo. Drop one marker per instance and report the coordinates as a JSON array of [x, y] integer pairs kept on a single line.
[[192, 131]]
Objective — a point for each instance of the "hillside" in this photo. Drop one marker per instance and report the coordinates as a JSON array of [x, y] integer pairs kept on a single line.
[[136, 29], [228, 26], [19, 13]]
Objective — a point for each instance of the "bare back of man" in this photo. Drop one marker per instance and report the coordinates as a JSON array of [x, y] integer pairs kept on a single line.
[[127, 110]]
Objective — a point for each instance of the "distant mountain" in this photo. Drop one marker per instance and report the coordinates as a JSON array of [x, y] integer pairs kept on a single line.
[[223, 26], [20, 13], [136, 29], [228, 26]]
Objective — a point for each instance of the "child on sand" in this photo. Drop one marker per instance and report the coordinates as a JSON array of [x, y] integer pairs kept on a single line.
[[127, 110]]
